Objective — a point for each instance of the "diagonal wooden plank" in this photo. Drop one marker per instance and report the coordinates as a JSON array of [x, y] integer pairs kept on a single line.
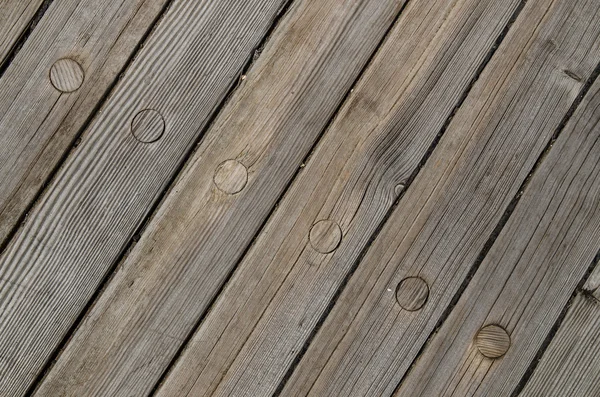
[[107, 186], [200, 232], [15, 16], [259, 323], [569, 368], [529, 273], [38, 122], [368, 341]]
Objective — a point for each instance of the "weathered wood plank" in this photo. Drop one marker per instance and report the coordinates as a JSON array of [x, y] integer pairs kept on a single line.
[[531, 270], [251, 336], [200, 232], [15, 16], [107, 186], [38, 123], [368, 342], [570, 366]]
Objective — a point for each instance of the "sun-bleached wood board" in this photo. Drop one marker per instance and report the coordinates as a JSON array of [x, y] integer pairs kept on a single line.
[[107, 186], [15, 15], [204, 226], [531, 270], [38, 123], [367, 342], [353, 178], [570, 366]]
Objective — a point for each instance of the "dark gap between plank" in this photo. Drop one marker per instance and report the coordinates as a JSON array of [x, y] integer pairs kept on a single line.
[[161, 196], [538, 356], [279, 200], [410, 180], [50, 179], [16, 47], [504, 219]]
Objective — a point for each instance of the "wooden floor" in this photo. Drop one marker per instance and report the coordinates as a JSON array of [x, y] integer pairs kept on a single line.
[[300, 198]]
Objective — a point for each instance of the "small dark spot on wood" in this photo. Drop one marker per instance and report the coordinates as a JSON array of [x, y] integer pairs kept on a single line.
[[573, 75]]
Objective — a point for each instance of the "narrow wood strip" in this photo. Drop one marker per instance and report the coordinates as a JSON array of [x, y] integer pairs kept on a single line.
[[569, 368], [258, 325], [107, 186], [531, 270], [15, 16], [41, 113], [230, 187], [368, 342]]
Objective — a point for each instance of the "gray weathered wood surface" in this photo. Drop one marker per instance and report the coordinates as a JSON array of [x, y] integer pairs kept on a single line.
[[38, 123], [266, 313], [367, 342], [107, 186], [234, 179], [165, 256], [529, 273], [570, 366], [15, 16]]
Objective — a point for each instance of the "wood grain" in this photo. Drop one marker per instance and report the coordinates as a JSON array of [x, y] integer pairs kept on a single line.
[[15, 16], [531, 270], [592, 284], [367, 342], [225, 193], [569, 367], [38, 120], [107, 186], [259, 323]]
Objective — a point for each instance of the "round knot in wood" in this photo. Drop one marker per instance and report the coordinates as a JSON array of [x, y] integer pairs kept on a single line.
[[412, 293], [66, 75], [231, 177], [148, 126], [492, 341], [325, 236]]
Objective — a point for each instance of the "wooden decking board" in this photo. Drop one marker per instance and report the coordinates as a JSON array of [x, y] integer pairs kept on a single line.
[[299, 197], [38, 123], [206, 223], [531, 271], [107, 185], [15, 17], [569, 367], [258, 325], [367, 343]]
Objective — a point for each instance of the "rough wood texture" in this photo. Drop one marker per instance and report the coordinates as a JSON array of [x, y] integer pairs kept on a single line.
[[533, 267], [570, 366], [367, 342], [592, 284], [266, 313], [230, 186], [45, 100], [15, 16], [106, 187]]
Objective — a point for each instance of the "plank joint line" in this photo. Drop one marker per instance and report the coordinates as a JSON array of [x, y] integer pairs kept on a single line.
[[496, 232], [16, 47], [405, 187]]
